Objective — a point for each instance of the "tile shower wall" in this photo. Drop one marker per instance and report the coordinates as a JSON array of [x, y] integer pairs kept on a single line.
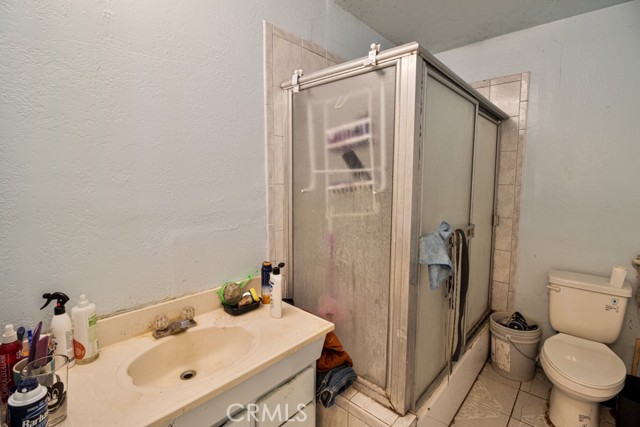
[[511, 94], [283, 53]]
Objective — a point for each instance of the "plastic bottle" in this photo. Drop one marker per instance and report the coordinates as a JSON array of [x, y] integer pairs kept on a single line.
[[28, 405], [61, 326], [85, 331], [266, 287], [276, 292], [10, 354]]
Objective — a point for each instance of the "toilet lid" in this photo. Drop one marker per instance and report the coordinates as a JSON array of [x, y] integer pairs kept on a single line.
[[585, 362]]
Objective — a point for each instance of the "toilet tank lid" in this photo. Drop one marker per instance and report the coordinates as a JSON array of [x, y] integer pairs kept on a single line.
[[588, 282]]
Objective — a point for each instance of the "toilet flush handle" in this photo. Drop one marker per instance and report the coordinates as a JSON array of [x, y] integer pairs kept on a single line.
[[553, 288]]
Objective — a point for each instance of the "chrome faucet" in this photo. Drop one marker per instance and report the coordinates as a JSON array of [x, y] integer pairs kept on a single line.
[[163, 328]]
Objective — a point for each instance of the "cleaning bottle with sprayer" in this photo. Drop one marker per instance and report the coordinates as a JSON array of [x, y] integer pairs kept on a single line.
[[61, 326], [276, 292]]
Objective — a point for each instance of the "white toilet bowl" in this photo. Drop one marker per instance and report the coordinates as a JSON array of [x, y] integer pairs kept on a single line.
[[583, 373]]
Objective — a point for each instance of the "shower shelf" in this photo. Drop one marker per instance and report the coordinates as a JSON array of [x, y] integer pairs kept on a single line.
[[350, 186], [357, 132]]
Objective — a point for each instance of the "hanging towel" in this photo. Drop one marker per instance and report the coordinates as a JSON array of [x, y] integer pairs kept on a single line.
[[433, 252], [330, 384]]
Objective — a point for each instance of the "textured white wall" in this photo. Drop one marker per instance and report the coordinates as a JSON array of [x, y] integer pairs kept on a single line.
[[132, 144], [581, 204]]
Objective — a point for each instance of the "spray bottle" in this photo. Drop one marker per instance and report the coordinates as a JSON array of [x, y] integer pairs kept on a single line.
[[61, 326], [276, 292]]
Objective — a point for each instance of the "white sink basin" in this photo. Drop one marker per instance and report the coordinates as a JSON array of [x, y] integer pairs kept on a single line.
[[190, 356]]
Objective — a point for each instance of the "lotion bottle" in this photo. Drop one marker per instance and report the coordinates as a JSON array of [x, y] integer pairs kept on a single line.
[[85, 331], [276, 292], [61, 326]]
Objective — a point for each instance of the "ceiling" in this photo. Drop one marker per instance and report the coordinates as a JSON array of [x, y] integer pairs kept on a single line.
[[441, 25]]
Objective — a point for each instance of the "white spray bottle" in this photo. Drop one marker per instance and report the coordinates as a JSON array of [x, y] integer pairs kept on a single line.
[[276, 292]]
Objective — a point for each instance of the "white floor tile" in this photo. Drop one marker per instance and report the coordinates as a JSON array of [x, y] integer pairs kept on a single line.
[[540, 386], [489, 372], [530, 409], [500, 420]]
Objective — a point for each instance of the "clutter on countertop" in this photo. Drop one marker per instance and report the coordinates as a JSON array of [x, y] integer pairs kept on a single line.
[[85, 331], [235, 300], [275, 283]]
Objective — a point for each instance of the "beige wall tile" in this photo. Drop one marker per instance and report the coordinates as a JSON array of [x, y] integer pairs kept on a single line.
[[484, 91], [499, 296], [511, 301], [481, 83], [503, 235], [513, 269], [524, 88], [312, 62], [315, 48], [507, 171], [506, 79], [507, 97], [505, 200], [522, 120], [519, 171], [517, 203], [279, 207], [331, 417], [280, 255], [271, 241], [501, 265], [509, 135], [279, 103], [277, 31], [408, 420], [278, 160], [374, 408], [522, 142], [363, 416], [287, 57]]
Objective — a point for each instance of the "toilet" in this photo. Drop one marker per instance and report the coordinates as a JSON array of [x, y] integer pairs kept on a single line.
[[587, 313]]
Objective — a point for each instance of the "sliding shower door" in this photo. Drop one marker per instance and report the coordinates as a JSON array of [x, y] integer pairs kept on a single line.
[[481, 246], [342, 157], [447, 160]]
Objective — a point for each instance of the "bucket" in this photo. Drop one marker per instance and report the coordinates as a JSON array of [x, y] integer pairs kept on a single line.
[[628, 407], [513, 352]]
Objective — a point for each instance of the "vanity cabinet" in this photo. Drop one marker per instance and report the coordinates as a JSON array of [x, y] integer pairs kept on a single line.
[[289, 404]]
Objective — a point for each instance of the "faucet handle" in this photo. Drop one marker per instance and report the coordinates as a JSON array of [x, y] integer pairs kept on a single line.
[[160, 322], [188, 312]]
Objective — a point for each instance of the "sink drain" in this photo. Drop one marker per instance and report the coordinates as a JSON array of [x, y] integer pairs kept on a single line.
[[187, 375]]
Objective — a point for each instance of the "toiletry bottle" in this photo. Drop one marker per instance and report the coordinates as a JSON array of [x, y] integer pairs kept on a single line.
[[10, 354], [266, 288], [276, 292], [61, 326], [85, 331]]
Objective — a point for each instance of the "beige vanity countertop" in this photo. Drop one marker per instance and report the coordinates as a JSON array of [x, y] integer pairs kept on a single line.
[[100, 395]]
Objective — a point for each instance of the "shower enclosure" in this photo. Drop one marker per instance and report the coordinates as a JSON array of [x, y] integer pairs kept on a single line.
[[381, 150]]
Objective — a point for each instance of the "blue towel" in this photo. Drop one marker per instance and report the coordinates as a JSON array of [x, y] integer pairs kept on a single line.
[[333, 382], [433, 252]]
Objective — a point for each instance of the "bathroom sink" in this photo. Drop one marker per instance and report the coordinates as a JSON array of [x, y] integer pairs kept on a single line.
[[190, 356]]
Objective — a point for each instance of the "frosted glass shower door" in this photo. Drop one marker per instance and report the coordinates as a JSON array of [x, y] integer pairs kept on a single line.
[[449, 122], [342, 157]]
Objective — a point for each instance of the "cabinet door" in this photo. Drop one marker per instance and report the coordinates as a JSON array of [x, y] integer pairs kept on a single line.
[[306, 417], [283, 403]]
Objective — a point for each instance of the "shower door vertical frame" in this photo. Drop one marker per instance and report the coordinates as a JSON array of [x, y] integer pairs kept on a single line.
[[405, 225]]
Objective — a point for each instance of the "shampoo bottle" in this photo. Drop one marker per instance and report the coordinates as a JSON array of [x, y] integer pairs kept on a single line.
[[61, 326], [10, 354], [276, 292], [265, 285], [85, 331]]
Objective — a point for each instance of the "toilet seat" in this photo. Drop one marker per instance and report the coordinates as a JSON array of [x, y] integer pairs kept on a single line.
[[582, 367]]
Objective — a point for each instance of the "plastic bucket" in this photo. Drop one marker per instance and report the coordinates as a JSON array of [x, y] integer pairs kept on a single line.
[[628, 407], [513, 352]]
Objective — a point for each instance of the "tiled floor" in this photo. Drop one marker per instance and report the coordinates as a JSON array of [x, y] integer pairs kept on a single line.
[[495, 401]]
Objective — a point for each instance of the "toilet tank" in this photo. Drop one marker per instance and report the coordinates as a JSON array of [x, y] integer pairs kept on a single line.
[[586, 306]]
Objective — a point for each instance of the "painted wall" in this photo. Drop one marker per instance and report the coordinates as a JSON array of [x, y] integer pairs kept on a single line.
[[132, 144], [581, 204]]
